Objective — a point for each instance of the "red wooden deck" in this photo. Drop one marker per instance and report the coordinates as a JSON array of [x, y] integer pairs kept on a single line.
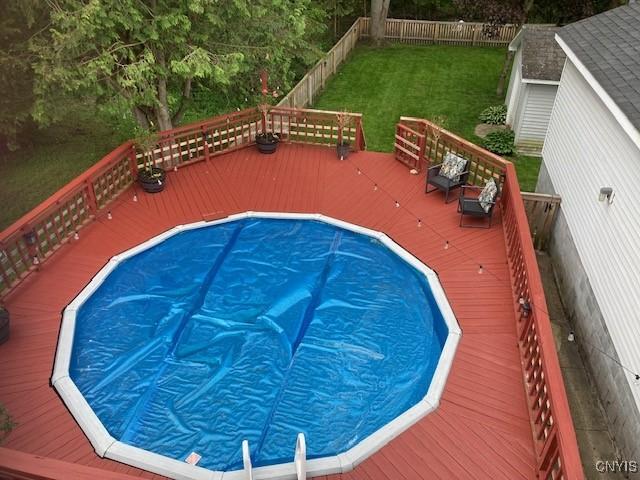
[[482, 427]]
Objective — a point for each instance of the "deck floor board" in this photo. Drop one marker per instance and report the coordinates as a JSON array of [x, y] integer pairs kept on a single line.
[[481, 429]]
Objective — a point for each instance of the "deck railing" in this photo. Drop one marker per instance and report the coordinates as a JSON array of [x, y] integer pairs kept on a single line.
[[437, 142], [26, 244], [317, 126], [552, 427]]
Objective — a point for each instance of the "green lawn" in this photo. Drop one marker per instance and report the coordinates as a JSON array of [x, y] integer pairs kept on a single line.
[[448, 84]]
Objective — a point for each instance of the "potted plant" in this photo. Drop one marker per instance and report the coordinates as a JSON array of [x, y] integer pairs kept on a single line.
[[6, 423], [344, 121], [266, 141], [4, 325], [151, 178]]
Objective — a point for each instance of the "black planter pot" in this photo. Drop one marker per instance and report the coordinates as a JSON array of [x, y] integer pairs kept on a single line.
[[343, 149], [267, 142], [4, 325], [152, 180]]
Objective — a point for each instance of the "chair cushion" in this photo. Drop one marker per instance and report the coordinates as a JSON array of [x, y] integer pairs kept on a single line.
[[488, 195], [452, 166]]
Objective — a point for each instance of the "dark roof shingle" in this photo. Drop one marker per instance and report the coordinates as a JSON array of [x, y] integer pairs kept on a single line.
[[608, 45], [542, 57]]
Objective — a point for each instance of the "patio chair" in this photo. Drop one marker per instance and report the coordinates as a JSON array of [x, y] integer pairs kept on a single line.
[[448, 175], [478, 202]]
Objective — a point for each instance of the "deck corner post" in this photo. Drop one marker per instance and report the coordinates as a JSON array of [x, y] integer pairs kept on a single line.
[[133, 164], [358, 142]]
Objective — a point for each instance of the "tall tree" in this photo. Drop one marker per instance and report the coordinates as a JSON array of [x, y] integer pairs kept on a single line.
[[379, 12], [147, 54]]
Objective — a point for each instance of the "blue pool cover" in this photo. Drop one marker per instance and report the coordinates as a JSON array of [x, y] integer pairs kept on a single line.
[[256, 329]]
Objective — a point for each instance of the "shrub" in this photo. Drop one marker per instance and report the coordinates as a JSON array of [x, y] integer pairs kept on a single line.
[[496, 115], [500, 142]]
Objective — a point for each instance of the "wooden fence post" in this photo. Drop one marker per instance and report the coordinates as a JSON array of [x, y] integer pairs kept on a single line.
[[476, 32], [402, 26]]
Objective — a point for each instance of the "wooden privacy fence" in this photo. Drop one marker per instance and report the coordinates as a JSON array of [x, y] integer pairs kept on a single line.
[[552, 427], [33, 238], [306, 90], [405, 31], [448, 33], [541, 210]]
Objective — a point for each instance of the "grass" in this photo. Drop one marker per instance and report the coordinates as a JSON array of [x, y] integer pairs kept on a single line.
[[55, 156], [527, 169], [447, 84]]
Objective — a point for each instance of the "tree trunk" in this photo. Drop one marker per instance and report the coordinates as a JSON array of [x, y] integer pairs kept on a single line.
[[162, 109], [379, 11], [335, 20], [505, 73], [141, 118]]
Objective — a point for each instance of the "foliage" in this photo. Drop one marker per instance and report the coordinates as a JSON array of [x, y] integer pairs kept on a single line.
[[534, 11], [146, 142], [6, 423], [18, 22], [496, 115], [149, 54], [500, 142], [56, 154]]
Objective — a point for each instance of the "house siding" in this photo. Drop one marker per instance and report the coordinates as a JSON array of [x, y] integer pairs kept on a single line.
[[596, 246], [534, 116], [515, 85]]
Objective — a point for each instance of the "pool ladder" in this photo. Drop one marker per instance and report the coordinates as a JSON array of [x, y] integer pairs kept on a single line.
[[299, 458]]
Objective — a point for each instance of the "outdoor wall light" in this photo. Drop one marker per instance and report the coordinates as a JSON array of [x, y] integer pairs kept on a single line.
[[606, 194]]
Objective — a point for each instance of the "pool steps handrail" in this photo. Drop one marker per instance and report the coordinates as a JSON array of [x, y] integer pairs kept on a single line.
[[299, 458], [246, 460]]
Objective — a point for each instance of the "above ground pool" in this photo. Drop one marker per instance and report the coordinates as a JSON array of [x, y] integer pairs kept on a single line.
[[258, 329]]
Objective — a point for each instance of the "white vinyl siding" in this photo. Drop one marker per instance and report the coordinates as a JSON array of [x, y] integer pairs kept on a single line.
[[586, 149], [515, 87], [535, 113]]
